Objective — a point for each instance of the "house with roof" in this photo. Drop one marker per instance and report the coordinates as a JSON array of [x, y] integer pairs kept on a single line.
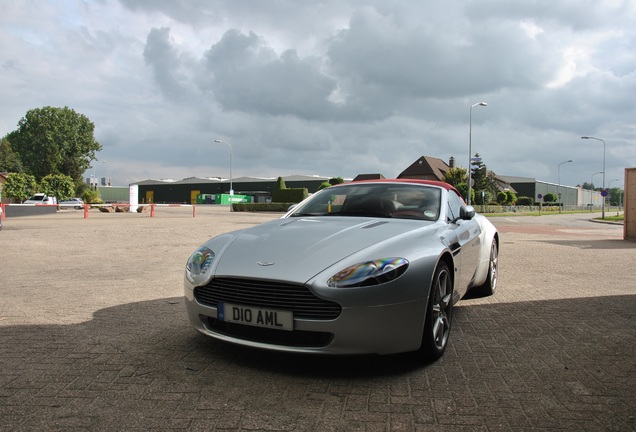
[[430, 168]]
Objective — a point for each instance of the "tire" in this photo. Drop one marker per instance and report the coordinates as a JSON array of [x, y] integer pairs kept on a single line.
[[490, 286], [438, 314]]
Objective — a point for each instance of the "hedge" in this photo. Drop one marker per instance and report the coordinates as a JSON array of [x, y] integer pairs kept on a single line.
[[262, 207]]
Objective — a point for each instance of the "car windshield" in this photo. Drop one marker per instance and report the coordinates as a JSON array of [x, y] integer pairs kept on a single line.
[[391, 200]]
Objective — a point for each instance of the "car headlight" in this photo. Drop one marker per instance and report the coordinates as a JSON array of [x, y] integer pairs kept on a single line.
[[369, 273], [198, 264]]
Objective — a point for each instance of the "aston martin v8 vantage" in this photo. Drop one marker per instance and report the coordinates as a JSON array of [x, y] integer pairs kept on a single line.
[[357, 268]]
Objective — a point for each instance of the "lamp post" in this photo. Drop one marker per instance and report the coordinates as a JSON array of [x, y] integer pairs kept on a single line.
[[603, 191], [592, 184], [470, 147], [559, 177], [231, 190]]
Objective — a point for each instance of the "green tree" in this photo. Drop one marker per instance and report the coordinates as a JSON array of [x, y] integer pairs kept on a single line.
[[456, 176], [479, 174], [53, 140], [502, 197], [335, 180], [616, 196], [9, 160], [58, 185], [20, 186], [590, 186], [462, 188], [482, 179], [324, 185], [550, 198]]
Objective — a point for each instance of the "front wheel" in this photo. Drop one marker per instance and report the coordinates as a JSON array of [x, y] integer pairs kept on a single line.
[[438, 314]]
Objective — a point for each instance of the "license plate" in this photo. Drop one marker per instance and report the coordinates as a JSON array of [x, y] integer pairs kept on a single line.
[[248, 315]]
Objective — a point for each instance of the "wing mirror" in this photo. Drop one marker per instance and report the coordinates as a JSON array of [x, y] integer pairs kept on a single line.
[[467, 212]]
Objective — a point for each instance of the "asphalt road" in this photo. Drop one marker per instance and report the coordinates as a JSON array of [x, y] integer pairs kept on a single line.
[[94, 336]]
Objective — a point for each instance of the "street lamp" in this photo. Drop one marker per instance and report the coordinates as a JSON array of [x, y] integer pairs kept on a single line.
[[559, 176], [603, 191], [470, 146], [231, 190]]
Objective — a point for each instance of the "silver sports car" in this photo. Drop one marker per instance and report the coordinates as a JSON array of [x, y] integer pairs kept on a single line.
[[361, 267]]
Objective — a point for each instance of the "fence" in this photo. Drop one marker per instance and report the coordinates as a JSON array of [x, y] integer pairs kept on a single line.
[[87, 207]]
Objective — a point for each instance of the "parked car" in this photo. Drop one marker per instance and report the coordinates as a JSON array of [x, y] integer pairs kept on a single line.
[[361, 267], [77, 203], [40, 198]]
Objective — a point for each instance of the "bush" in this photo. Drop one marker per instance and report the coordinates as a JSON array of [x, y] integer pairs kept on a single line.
[[550, 198], [281, 194], [19, 186], [294, 195], [512, 197], [483, 200], [525, 201], [256, 207], [58, 185]]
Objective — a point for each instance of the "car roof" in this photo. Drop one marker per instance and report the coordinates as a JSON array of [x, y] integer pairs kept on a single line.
[[441, 184]]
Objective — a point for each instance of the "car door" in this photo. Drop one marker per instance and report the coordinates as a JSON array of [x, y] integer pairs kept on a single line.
[[466, 233]]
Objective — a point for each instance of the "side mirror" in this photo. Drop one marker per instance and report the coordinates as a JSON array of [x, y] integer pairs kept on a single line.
[[467, 212]]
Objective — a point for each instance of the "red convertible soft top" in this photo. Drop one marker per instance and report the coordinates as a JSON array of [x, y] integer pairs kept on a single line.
[[441, 184]]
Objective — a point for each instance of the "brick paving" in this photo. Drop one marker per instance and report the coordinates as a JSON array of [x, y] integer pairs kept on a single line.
[[94, 336]]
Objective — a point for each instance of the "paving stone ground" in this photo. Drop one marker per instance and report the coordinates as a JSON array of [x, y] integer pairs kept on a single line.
[[94, 337]]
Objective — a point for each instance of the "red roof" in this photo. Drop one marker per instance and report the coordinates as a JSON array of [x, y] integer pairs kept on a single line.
[[441, 184]]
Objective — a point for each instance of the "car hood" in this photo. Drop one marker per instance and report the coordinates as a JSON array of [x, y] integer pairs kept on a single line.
[[296, 249]]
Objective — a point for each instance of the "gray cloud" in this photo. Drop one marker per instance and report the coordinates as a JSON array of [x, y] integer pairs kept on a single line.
[[330, 87]]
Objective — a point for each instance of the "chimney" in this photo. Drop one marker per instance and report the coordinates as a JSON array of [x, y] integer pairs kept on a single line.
[[451, 162]]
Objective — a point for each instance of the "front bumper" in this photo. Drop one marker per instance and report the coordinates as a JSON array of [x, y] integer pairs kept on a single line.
[[364, 329]]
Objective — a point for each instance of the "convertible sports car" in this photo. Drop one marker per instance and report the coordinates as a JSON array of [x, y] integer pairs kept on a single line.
[[358, 268]]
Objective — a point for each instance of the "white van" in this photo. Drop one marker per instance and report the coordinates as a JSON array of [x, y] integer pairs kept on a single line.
[[40, 198]]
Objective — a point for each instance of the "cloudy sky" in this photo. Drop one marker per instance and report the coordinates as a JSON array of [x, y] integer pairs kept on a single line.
[[330, 87]]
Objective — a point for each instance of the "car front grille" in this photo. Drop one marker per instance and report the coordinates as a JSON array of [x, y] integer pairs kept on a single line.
[[269, 295]]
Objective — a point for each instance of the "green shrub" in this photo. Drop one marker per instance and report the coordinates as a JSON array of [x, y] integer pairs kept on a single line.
[[262, 207], [512, 197], [525, 201], [550, 198], [487, 197], [294, 195]]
